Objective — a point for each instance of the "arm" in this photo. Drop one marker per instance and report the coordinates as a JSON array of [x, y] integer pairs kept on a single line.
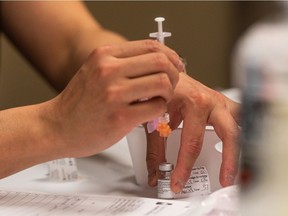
[[103, 95], [25, 139], [56, 37]]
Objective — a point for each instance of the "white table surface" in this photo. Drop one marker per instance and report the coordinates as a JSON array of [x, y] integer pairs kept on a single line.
[[107, 173]]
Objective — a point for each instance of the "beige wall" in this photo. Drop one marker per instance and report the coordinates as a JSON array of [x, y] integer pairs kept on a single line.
[[203, 32], [19, 83]]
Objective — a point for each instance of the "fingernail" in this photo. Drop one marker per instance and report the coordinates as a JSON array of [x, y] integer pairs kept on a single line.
[[152, 181], [152, 178], [181, 66], [229, 179], [177, 187]]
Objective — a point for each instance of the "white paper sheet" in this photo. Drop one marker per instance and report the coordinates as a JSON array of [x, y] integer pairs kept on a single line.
[[15, 203]]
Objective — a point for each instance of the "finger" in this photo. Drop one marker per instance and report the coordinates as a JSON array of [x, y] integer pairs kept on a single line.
[[235, 111], [147, 64], [146, 111], [154, 156], [191, 145], [154, 85], [228, 131], [141, 47]]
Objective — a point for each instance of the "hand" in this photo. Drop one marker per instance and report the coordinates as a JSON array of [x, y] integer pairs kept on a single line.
[[197, 105], [101, 104]]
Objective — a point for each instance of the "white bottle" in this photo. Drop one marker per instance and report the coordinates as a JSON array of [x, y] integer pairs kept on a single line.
[[262, 66]]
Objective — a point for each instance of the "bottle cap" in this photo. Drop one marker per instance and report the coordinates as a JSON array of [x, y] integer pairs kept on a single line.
[[166, 166]]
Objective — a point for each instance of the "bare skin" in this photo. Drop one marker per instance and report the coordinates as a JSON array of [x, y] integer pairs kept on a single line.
[[198, 106], [100, 78], [103, 95]]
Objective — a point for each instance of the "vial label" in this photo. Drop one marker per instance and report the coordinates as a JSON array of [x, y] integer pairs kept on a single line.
[[164, 189], [198, 183], [63, 169]]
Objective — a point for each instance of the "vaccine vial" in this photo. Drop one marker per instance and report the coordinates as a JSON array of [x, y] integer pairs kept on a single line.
[[164, 181]]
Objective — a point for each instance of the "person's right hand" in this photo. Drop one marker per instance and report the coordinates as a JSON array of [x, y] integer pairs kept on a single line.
[[102, 102]]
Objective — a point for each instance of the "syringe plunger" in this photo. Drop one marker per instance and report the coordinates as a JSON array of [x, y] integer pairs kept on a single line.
[[160, 35]]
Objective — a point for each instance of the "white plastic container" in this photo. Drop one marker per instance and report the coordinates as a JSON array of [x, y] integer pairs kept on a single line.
[[210, 156]]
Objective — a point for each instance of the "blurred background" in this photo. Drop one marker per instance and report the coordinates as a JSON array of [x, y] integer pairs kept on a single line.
[[203, 32]]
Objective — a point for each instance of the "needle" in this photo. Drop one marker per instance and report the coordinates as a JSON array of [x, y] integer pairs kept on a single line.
[[165, 143]]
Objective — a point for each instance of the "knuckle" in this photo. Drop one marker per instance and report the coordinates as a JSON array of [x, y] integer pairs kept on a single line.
[[203, 99], [111, 93], [151, 159], [163, 81], [175, 56], [101, 63], [200, 99], [100, 51], [193, 148], [166, 86], [221, 99], [161, 61], [230, 133], [152, 45], [233, 132], [105, 67]]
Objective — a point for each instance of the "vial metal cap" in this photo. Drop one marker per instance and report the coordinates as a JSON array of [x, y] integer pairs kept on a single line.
[[166, 166]]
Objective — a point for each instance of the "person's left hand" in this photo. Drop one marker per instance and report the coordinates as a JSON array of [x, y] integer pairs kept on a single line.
[[198, 106]]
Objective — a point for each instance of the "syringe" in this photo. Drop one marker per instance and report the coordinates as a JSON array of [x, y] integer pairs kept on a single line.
[[163, 127], [161, 123], [160, 35]]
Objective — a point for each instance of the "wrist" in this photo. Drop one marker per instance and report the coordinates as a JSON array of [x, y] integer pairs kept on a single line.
[[26, 140], [50, 131]]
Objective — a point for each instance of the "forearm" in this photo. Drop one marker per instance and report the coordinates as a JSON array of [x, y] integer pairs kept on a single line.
[[56, 37], [26, 140]]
